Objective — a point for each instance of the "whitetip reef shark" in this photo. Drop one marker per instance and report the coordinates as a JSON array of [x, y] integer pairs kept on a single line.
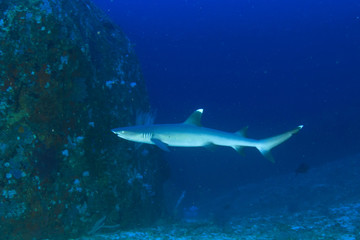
[[191, 134]]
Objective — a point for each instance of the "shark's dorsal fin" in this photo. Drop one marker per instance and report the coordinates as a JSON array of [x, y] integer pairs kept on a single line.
[[242, 132], [195, 118]]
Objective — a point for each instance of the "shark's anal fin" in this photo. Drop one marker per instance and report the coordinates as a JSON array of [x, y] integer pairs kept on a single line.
[[242, 133], [160, 144], [210, 146], [239, 149], [267, 154]]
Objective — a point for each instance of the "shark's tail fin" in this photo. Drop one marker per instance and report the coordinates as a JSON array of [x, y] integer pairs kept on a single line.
[[265, 145]]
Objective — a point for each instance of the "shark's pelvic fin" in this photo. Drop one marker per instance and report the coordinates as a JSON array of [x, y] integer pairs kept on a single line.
[[195, 118], [265, 145], [160, 144]]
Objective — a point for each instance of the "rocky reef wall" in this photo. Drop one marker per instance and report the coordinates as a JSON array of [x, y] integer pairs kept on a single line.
[[67, 76]]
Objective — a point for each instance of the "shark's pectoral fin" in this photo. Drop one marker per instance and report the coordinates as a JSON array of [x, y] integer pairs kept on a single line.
[[239, 149], [160, 144]]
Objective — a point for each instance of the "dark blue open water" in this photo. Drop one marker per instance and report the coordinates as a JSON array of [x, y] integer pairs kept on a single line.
[[269, 65]]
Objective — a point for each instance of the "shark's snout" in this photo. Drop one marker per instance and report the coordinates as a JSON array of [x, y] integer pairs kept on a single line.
[[119, 132]]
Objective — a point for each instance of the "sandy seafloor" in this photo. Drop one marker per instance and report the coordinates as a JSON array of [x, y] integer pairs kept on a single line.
[[323, 203]]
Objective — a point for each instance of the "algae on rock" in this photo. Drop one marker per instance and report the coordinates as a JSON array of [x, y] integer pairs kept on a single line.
[[67, 76]]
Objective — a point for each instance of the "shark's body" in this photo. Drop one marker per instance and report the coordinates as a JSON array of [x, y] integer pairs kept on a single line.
[[191, 134]]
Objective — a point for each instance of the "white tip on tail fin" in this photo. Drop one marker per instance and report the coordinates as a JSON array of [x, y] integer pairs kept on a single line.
[[265, 145]]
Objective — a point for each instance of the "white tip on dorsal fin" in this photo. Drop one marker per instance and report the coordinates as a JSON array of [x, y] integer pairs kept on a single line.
[[195, 118]]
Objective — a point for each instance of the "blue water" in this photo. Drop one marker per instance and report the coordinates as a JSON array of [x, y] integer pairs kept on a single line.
[[269, 65]]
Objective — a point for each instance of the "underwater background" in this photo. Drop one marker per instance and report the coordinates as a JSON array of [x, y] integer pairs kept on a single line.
[[269, 65], [72, 71]]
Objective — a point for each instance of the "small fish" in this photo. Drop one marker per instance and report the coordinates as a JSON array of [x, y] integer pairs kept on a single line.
[[302, 168]]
